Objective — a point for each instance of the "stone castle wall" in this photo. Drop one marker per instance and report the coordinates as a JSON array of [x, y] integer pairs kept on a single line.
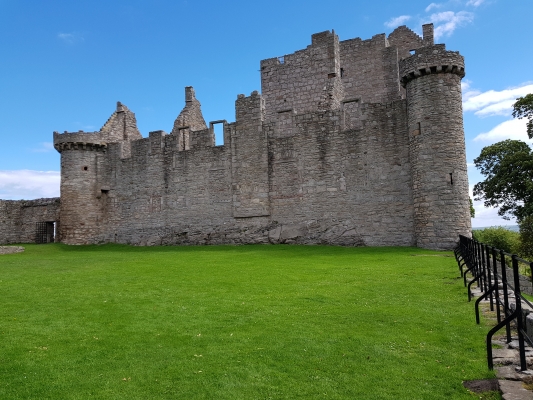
[[18, 218], [350, 143], [303, 180]]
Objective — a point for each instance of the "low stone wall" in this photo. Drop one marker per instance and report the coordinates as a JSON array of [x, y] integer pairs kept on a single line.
[[18, 218]]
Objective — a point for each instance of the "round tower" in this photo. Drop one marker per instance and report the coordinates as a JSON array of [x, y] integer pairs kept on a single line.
[[81, 195], [432, 79]]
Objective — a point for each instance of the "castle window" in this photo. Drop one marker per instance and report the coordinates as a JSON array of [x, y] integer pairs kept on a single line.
[[281, 59], [85, 168], [217, 129], [342, 72], [412, 52], [451, 178]]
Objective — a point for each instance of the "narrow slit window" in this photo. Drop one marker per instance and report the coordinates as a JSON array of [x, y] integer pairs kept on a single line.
[[342, 72], [451, 178]]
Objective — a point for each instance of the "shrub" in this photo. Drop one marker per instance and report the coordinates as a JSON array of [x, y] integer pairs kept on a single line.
[[499, 237]]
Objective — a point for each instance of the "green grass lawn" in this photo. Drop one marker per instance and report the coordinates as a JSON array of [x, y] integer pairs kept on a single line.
[[245, 322]]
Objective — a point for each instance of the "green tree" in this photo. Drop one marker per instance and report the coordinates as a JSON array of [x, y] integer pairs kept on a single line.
[[508, 169], [472, 209], [523, 108]]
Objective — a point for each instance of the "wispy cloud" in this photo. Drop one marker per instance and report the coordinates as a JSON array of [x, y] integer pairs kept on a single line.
[[28, 184], [468, 91], [511, 129], [397, 21], [493, 102], [44, 147], [474, 3], [447, 22], [432, 6], [70, 38]]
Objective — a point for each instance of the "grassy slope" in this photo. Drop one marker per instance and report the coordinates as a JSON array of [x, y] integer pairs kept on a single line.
[[235, 322]]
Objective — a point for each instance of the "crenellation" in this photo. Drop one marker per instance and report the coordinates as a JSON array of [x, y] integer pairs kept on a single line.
[[354, 142]]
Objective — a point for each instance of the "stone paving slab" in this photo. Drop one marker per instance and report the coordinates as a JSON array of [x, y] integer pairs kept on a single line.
[[514, 390], [507, 372]]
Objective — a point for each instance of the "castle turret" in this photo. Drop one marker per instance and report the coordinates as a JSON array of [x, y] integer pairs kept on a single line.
[[84, 186], [432, 79]]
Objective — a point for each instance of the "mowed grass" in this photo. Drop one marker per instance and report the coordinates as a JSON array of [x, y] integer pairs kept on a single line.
[[235, 322]]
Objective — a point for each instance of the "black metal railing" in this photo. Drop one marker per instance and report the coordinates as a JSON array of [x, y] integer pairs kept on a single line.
[[497, 275]]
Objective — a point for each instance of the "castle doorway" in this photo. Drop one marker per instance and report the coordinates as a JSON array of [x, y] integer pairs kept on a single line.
[[45, 232]]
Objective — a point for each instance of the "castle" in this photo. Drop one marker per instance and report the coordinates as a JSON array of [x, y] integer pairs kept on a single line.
[[354, 142]]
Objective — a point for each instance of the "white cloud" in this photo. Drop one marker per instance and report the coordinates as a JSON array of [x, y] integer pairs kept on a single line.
[[474, 3], [28, 184], [511, 129], [70, 38], [44, 147], [487, 216], [432, 6], [447, 21], [397, 21], [494, 102], [468, 92]]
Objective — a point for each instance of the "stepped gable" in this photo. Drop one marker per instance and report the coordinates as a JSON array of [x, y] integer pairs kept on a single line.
[[189, 119], [406, 40], [121, 125], [191, 115]]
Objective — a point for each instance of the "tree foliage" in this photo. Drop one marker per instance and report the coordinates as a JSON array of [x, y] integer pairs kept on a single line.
[[472, 209], [508, 168], [499, 237], [523, 108]]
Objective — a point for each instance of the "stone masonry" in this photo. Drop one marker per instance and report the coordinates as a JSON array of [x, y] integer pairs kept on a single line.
[[355, 142]]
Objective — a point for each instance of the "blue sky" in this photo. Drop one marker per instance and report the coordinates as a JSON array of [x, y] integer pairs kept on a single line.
[[65, 64]]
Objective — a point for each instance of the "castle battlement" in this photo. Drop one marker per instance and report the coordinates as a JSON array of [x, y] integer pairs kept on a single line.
[[431, 60], [350, 142], [79, 140]]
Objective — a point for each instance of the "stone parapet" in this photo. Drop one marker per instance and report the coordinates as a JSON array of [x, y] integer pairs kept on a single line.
[[431, 60], [60, 139]]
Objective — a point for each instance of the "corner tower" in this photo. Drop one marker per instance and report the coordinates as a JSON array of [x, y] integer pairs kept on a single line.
[[83, 179], [432, 79]]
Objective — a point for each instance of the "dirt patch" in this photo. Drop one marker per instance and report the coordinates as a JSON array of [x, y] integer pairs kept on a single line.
[[11, 249], [482, 385]]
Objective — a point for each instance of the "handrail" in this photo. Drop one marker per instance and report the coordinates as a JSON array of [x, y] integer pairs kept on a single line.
[[489, 270]]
